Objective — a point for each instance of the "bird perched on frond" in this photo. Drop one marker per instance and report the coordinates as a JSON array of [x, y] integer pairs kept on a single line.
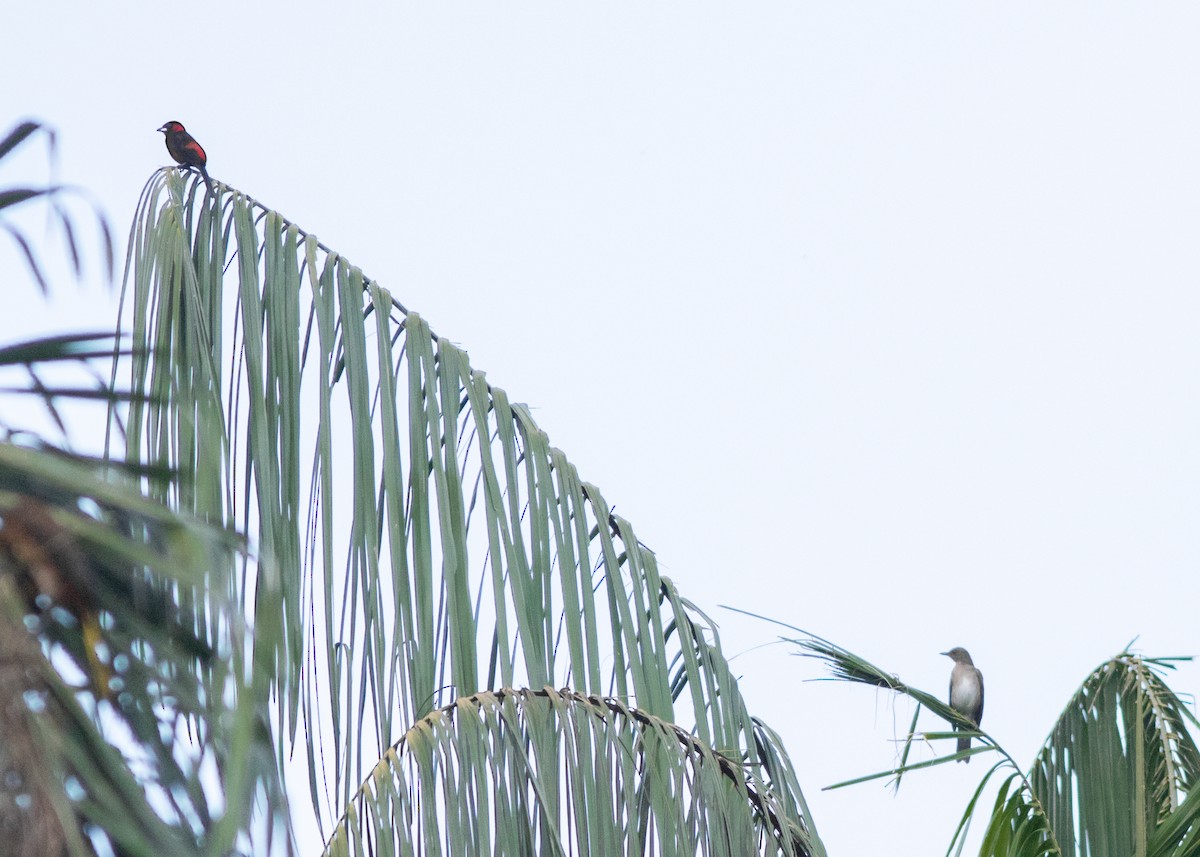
[[185, 150], [966, 692]]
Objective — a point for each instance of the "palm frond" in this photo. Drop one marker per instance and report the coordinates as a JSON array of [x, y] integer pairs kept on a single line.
[[1179, 833], [1018, 826], [115, 678], [53, 194], [558, 772], [427, 542], [1119, 760], [845, 665]]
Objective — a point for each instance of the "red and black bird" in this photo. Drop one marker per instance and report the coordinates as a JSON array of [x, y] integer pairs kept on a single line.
[[185, 150]]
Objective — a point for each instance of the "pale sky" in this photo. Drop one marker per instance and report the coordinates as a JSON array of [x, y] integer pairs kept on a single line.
[[881, 319]]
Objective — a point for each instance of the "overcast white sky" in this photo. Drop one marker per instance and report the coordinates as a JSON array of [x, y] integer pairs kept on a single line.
[[878, 318]]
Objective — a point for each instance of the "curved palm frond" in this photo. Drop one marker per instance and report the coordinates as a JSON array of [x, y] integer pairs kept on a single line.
[[524, 771], [425, 541], [1120, 759]]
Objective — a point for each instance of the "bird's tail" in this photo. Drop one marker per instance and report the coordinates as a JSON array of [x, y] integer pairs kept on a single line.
[[964, 744], [207, 181]]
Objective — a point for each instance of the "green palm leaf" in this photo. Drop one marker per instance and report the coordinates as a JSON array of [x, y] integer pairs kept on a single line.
[[556, 772], [1120, 759], [424, 541]]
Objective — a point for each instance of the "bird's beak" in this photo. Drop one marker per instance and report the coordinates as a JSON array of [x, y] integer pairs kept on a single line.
[[163, 129], [947, 654]]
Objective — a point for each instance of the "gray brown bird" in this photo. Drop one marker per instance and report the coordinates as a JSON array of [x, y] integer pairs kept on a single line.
[[966, 692]]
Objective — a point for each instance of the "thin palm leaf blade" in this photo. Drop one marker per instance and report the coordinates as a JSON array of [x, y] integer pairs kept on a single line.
[[445, 547]]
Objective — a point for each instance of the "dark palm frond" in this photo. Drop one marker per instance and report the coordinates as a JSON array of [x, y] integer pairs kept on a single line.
[[1179, 833], [20, 133], [11, 198], [60, 370], [120, 678], [71, 347], [35, 812], [1122, 742], [1018, 825]]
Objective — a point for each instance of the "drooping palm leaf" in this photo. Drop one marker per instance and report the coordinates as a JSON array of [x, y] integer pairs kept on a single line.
[[557, 772], [430, 544], [1120, 759]]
